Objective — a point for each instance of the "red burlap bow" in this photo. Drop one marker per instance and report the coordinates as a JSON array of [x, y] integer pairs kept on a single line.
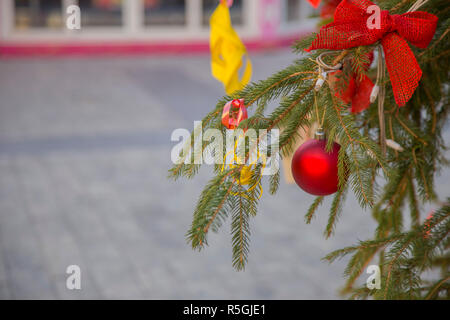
[[233, 113], [328, 8], [349, 29]]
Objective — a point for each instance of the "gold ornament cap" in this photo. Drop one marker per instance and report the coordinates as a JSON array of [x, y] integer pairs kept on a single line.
[[319, 134]]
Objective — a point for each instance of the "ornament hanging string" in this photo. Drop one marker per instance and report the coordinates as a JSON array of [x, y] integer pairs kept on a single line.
[[319, 120], [417, 5], [324, 69], [245, 173], [379, 89], [381, 95]]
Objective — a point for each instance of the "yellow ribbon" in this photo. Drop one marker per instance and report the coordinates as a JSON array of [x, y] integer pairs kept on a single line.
[[246, 171], [227, 51]]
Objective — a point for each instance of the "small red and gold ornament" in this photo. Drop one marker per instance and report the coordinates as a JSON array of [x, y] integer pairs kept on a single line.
[[314, 169], [233, 113]]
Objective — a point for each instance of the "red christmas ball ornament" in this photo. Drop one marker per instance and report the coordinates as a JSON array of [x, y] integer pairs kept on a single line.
[[314, 169]]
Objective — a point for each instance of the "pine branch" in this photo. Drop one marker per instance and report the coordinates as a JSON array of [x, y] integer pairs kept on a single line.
[[434, 290], [274, 182], [209, 207], [240, 233], [413, 203], [312, 209], [336, 208]]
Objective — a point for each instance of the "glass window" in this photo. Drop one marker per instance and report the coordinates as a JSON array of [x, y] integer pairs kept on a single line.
[[293, 10], [165, 12], [101, 12], [37, 14], [235, 11]]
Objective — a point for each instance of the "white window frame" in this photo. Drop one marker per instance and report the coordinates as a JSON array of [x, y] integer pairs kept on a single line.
[[305, 10], [132, 29]]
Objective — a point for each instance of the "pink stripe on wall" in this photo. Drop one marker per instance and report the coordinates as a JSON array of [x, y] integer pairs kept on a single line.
[[269, 18], [130, 48]]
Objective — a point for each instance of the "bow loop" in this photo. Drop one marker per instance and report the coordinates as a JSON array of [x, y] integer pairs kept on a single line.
[[349, 10], [418, 28]]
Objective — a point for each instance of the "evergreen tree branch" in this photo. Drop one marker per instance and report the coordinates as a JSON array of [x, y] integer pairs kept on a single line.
[[435, 288], [336, 208], [312, 209]]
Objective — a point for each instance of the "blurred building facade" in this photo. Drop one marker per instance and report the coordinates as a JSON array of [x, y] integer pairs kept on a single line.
[[33, 26]]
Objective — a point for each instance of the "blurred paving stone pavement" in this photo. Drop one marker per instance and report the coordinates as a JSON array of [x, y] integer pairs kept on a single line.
[[84, 153]]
